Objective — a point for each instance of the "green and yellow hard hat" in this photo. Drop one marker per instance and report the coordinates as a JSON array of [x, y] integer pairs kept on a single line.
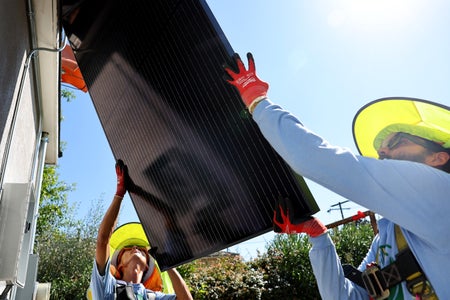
[[133, 234], [379, 118], [128, 234]]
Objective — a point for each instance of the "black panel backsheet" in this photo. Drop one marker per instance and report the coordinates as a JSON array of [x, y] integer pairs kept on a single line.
[[208, 178]]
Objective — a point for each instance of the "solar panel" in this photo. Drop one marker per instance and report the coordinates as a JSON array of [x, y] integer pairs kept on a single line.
[[208, 179]]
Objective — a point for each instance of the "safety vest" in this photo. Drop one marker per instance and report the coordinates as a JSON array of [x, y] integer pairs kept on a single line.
[[378, 282], [125, 292], [417, 283]]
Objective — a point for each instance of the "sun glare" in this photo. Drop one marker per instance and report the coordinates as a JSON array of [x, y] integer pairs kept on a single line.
[[375, 14]]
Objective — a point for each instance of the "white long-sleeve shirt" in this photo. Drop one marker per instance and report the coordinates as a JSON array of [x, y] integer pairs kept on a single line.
[[410, 194], [329, 274]]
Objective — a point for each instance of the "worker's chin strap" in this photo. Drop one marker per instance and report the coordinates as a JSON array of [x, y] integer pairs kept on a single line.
[[378, 281]]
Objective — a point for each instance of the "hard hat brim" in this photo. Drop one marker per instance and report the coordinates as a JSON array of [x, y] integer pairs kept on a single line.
[[376, 120]]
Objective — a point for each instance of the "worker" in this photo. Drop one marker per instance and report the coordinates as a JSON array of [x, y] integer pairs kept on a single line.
[[128, 272], [408, 185]]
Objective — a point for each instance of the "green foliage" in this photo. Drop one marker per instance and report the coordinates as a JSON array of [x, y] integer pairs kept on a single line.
[[66, 261], [68, 95], [287, 269], [65, 245], [352, 242], [283, 272], [53, 207], [223, 277]]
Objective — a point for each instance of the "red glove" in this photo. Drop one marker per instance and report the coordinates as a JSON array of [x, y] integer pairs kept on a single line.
[[312, 226], [250, 87], [122, 173], [359, 215]]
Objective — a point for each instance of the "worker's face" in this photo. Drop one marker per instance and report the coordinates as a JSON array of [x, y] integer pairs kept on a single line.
[[402, 146], [133, 254]]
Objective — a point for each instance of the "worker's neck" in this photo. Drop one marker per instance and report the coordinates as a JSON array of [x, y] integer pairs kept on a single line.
[[133, 273]]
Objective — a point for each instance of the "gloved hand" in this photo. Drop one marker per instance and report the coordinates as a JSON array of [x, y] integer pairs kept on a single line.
[[250, 87], [311, 226], [122, 174]]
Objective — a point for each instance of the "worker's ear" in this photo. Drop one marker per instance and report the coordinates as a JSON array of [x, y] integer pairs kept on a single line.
[[438, 159]]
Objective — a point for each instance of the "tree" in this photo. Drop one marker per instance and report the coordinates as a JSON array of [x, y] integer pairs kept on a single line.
[[65, 245], [287, 269], [352, 242], [224, 276], [68, 95], [54, 210]]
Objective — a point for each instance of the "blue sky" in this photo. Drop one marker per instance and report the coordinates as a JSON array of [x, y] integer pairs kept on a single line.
[[323, 59]]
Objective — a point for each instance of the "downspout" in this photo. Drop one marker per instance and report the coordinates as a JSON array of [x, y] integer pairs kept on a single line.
[[39, 165]]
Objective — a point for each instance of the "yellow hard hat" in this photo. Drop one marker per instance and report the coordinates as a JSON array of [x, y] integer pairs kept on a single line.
[[379, 118], [133, 234]]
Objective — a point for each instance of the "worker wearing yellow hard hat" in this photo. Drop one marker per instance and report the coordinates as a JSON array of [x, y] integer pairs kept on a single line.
[[133, 235], [403, 175], [123, 267], [375, 121]]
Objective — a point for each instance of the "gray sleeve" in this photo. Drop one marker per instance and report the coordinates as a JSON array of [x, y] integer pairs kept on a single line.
[[407, 193], [329, 274]]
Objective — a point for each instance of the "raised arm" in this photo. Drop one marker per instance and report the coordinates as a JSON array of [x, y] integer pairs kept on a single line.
[[179, 286], [109, 220]]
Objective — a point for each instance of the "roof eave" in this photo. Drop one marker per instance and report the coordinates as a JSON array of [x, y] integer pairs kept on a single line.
[[48, 71]]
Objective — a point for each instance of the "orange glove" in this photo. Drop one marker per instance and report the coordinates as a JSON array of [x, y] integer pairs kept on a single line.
[[311, 226], [249, 86], [122, 174]]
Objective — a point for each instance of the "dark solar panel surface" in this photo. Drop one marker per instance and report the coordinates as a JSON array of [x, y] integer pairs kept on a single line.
[[207, 178]]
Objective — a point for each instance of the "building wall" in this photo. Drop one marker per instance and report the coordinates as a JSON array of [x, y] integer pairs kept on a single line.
[[19, 134], [15, 34], [28, 106]]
